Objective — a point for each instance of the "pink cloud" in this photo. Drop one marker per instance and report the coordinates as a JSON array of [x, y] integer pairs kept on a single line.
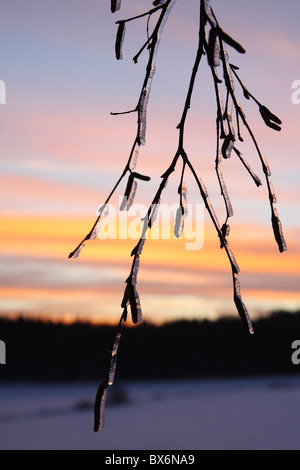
[[65, 138], [28, 194]]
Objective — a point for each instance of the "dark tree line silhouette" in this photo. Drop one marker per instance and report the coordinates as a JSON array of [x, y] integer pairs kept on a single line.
[[45, 352]]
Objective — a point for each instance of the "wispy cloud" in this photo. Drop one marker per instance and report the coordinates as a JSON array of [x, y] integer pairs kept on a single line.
[[37, 276]]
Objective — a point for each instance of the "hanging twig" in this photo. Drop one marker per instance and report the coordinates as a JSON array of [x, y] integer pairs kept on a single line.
[[141, 107], [212, 42]]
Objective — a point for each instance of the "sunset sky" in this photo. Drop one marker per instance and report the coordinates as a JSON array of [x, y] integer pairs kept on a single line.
[[61, 153]]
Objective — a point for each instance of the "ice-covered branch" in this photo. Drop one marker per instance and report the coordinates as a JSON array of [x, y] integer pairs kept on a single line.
[[213, 42]]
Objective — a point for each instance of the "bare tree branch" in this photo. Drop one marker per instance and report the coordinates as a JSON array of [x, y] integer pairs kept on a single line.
[[212, 42]]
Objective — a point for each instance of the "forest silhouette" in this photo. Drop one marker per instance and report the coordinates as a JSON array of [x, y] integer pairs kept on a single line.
[[45, 351]]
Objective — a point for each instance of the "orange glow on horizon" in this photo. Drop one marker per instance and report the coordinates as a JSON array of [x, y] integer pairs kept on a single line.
[[168, 271], [55, 237]]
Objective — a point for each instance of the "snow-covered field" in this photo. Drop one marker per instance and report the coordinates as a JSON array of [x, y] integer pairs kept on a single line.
[[180, 415]]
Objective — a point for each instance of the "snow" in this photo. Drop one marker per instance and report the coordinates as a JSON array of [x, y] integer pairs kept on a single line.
[[260, 413]]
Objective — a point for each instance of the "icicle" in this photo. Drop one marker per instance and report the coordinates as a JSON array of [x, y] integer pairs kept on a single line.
[[143, 108], [228, 69], [239, 107], [138, 308], [95, 231], [141, 246], [213, 50], [154, 212], [243, 312], [265, 164], [207, 202], [137, 250], [219, 158], [166, 182], [182, 211], [203, 188], [179, 222], [225, 230], [229, 117], [166, 15], [233, 261], [135, 304], [104, 210], [119, 40], [184, 199], [76, 253], [93, 234], [277, 228], [115, 5], [134, 157], [131, 190], [99, 224], [125, 300], [224, 125], [135, 270], [225, 194], [221, 101], [217, 60], [113, 360], [213, 214], [273, 197], [99, 407], [102, 411], [209, 13], [131, 195]]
